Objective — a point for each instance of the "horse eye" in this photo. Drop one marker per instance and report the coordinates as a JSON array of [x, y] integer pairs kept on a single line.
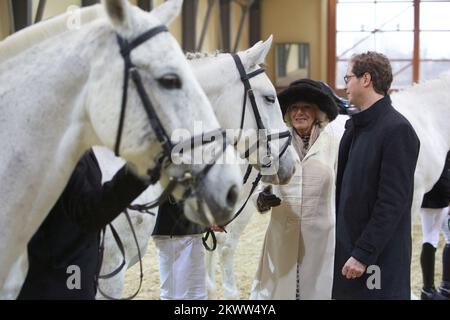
[[270, 99], [170, 81]]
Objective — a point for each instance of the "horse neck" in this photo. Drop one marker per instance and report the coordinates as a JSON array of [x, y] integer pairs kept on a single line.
[[52, 75], [42, 96], [426, 107], [42, 117]]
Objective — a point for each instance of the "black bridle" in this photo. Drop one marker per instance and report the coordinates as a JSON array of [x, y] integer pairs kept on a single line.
[[245, 78], [129, 68], [190, 180], [248, 91]]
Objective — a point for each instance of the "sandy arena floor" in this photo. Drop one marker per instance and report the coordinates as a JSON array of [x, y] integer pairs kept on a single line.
[[246, 261]]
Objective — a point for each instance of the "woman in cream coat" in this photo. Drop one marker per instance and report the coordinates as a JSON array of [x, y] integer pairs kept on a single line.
[[298, 252]]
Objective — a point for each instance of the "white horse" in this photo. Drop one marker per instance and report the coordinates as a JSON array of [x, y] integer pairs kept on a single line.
[[219, 77], [426, 107], [60, 94]]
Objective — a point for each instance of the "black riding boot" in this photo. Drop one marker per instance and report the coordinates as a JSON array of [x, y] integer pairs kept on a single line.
[[444, 289], [427, 258]]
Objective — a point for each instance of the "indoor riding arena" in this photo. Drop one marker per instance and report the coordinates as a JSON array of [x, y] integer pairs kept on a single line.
[[225, 150]]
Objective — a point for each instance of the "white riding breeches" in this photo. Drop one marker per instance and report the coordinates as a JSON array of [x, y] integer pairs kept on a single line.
[[432, 223], [446, 226], [182, 267]]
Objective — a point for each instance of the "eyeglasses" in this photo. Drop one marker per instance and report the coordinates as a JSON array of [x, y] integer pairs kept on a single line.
[[348, 77]]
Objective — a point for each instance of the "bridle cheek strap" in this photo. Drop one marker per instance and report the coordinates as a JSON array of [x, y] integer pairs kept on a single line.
[[125, 50]]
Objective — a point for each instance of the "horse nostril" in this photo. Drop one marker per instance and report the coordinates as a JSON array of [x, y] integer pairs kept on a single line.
[[232, 196], [293, 170]]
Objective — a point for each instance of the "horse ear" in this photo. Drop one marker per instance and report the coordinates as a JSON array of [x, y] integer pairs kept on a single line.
[[168, 11], [119, 13], [257, 54]]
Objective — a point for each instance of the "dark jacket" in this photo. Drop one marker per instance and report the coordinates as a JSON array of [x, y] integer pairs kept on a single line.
[[171, 221], [439, 196], [69, 236], [374, 190]]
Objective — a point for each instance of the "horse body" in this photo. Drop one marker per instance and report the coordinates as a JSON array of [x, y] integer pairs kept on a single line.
[[59, 97], [225, 93], [426, 108]]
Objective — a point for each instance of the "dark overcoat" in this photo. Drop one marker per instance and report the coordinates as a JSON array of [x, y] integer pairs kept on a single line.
[[375, 182], [66, 245]]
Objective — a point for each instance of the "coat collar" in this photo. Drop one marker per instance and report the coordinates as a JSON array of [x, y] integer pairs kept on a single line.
[[366, 117]]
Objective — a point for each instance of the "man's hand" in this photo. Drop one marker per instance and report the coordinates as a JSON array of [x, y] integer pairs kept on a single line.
[[266, 199], [353, 269]]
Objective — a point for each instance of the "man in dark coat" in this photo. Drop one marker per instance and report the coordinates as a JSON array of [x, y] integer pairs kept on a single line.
[[374, 189], [63, 254]]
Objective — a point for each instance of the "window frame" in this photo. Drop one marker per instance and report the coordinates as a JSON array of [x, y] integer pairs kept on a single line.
[[415, 61]]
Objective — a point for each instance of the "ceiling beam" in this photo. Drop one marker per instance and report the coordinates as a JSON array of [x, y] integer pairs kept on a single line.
[[205, 25], [225, 25], [245, 9], [254, 23], [146, 5], [21, 10], [189, 22], [40, 11]]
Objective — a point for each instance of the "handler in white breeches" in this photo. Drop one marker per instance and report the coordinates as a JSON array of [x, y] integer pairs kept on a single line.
[[435, 217], [181, 255]]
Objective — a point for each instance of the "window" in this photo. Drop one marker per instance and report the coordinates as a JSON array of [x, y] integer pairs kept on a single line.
[[434, 38], [412, 33]]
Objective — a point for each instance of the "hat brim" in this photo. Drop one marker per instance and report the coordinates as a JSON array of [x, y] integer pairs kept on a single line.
[[308, 93]]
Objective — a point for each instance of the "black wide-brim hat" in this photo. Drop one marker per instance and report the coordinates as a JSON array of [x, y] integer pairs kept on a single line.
[[310, 91]]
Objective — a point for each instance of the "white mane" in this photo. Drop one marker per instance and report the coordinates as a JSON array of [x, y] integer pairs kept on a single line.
[[27, 38], [197, 56], [201, 55]]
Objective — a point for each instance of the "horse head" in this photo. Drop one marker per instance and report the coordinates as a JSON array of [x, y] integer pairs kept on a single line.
[[137, 62], [260, 133]]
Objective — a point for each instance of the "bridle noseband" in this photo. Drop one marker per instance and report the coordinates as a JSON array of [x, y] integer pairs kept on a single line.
[[129, 68]]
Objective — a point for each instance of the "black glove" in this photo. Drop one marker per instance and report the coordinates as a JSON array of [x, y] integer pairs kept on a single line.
[[266, 200]]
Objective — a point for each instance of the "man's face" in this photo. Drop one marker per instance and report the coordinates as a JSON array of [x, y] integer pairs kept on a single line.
[[353, 88]]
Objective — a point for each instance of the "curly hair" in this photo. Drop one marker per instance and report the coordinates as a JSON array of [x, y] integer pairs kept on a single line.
[[377, 65]]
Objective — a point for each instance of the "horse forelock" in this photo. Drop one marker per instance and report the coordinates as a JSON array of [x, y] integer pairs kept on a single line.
[[44, 30]]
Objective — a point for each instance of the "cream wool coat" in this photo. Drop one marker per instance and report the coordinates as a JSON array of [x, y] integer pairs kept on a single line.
[[302, 229]]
